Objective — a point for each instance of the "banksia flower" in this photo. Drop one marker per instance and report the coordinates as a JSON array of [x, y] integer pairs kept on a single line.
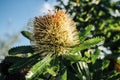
[[54, 33]]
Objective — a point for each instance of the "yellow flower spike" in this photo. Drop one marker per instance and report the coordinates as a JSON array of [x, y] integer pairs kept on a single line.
[[54, 33]]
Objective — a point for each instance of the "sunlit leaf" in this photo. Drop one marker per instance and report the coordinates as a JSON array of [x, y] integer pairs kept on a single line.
[[39, 68], [88, 44], [27, 34], [73, 57], [85, 33], [95, 55]]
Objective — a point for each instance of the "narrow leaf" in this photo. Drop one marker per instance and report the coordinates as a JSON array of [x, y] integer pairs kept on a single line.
[[84, 70], [105, 64], [21, 50], [13, 59], [85, 33], [73, 57], [38, 68], [95, 55], [87, 44], [18, 66], [27, 34], [63, 74]]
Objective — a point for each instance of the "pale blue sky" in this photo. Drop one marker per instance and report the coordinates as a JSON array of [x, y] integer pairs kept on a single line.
[[14, 15]]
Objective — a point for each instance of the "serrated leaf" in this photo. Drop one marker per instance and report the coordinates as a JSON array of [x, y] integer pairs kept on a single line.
[[85, 33], [87, 44], [18, 66], [39, 68], [27, 34], [21, 50], [13, 59]]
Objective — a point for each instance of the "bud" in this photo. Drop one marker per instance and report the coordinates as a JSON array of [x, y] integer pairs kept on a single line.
[[54, 33]]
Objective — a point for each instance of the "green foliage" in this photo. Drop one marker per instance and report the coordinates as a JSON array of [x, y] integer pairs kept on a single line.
[[21, 50], [85, 33], [27, 62], [38, 68], [104, 15], [63, 74], [95, 55], [87, 44], [13, 59], [27, 34], [52, 66], [84, 61]]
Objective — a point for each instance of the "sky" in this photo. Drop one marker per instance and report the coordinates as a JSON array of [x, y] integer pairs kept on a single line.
[[15, 14]]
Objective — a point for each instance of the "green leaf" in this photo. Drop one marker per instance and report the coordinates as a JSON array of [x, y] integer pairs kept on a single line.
[[114, 76], [52, 71], [39, 68], [21, 50], [95, 55], [63, 74], [85, 33], [87, 44], [27, 34], [13, 59], [83, 70], [18, 66], [105, 64], [54, 67], [73, 57], [87, 54]]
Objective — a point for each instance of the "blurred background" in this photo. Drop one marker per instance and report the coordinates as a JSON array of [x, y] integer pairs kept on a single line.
[[15, 16]]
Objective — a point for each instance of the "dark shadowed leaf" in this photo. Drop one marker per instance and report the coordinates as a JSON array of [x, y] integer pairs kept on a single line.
[[20, 50]]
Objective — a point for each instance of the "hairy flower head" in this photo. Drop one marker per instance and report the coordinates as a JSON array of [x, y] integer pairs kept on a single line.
[[54, 33]]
